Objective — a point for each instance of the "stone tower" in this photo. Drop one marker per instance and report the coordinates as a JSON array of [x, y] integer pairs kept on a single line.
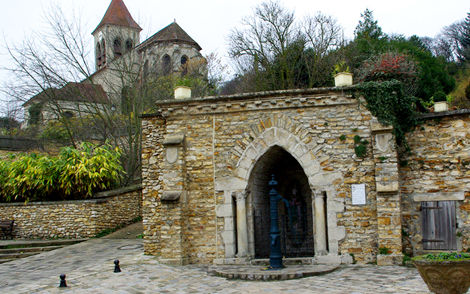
[[169, 51], [116, 34]]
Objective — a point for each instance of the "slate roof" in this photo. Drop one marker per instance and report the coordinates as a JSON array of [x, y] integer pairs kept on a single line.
[[117, 14], [73, 92], [171, 33]]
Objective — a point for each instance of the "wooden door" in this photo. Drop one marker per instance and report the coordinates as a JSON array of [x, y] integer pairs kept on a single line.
[[438, 223]]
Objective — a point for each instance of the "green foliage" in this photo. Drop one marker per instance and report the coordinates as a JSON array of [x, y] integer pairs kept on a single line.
[[388, 66], [342, 137], [34, 112], [432, 72], [55, 131], [384, 251], [444, 256], [88, 169], [388, 102], [368, 27], [382, 158], [341, 67], [461, 94], [406, 259], [360, 146], [467, 91], [439, 96], [354, 261], [187, 82], [73, 174]]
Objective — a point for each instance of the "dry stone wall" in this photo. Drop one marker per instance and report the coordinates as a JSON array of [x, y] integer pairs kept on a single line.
[[74, 219], [152, 156], [436, 169]]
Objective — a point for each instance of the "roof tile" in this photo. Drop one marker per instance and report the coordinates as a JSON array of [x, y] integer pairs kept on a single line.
[[117, 14]]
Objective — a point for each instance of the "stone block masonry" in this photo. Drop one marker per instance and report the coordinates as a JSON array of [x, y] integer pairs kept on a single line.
[[200, 156], [437, 169], [74, 219]]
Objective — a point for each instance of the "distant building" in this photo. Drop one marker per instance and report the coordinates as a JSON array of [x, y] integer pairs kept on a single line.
[[121, 60], [72, 100]]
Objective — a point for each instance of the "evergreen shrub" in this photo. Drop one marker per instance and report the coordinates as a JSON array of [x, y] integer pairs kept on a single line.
[[73, 174]]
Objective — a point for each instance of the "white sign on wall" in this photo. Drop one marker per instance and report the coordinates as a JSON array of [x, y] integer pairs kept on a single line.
[[358, 192]]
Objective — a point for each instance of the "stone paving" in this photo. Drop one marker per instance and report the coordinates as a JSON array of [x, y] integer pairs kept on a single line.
[[89, 268]]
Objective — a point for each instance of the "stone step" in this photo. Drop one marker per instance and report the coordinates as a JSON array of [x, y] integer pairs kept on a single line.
[[38, 243], [16, 255], [29, 249], [7, 260], [286, 261], [256, 273]]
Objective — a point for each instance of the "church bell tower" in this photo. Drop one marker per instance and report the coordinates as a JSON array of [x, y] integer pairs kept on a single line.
[[116, 34]]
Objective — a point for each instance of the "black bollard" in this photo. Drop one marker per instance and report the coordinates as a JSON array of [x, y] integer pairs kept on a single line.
[[63, 283], [117, 269]]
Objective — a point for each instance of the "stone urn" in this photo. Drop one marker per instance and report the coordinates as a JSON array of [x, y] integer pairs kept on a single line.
[[182, 92], [445, 277], [343, 79], [441, 106]]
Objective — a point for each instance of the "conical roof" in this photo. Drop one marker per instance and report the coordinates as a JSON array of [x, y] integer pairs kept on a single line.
[[117, 14], [171, 33]]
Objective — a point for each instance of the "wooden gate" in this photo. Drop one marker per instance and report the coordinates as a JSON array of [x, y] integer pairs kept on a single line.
[[438, 223]]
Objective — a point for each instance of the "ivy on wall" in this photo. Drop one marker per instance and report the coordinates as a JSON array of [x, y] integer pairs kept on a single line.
[[388, 102]]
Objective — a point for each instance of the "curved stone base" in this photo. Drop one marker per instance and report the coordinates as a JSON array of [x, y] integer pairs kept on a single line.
[[257, 273]]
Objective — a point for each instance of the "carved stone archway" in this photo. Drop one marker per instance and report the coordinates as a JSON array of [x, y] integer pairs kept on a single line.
[[236, 230]]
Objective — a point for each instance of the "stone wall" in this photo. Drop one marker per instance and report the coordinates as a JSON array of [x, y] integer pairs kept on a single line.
[[74, 219], [199, 153], [152, 156], [437, 169]]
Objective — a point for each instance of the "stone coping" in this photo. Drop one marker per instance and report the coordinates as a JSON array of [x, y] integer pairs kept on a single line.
[[242, 96], [115, 192], [100, 197], [259, 273], [444, 114]]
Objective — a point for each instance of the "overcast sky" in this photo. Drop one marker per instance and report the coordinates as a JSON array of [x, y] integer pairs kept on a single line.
[[209, 22]]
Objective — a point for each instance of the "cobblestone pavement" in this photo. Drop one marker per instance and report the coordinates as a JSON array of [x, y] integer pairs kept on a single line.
[[89, 269]]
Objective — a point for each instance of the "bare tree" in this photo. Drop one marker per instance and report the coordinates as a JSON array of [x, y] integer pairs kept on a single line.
[[324, 35], [85, 105], [273, 51], [265, 35], [54, 68]]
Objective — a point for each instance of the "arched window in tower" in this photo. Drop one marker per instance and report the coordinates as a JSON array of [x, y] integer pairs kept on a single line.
[[98, 54], [129, 45], [103, 52], [184, 59], [117, 47], [184, 65], [166, 62]]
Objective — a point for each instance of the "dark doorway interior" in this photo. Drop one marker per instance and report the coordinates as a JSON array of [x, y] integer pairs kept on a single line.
[[295, 214]]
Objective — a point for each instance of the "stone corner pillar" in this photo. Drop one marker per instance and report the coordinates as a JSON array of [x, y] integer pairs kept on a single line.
[[173, 200], [388, 194]]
